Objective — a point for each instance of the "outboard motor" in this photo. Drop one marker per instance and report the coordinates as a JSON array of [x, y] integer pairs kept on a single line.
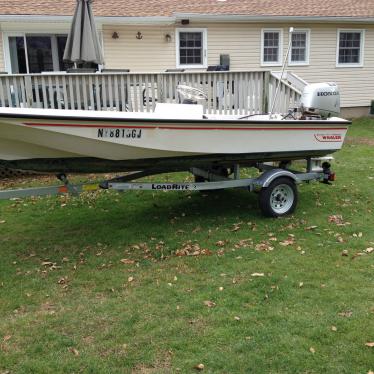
[[320, 100]]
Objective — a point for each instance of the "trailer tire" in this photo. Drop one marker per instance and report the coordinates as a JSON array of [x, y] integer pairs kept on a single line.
[[279, 198]]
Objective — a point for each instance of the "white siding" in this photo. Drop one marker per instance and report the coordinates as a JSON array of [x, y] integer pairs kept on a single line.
[[152, 53], [356, 83], [242, 41]]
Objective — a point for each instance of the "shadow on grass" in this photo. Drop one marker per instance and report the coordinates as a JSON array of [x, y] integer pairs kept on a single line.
[[125, 219]]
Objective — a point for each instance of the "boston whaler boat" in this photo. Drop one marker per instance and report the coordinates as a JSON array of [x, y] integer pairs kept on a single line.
[[179, 137]]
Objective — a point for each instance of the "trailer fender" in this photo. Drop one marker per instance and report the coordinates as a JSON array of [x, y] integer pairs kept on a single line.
[[269, 176]]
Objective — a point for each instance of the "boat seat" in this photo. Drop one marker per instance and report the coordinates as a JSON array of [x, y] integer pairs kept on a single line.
[[182, 111]]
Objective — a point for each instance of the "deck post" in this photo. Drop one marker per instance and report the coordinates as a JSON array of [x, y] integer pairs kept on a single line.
[[28, 90], [265, 91], [160, 88]]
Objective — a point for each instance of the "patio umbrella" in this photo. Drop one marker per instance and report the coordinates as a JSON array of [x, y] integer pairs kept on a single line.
[[83, 44]]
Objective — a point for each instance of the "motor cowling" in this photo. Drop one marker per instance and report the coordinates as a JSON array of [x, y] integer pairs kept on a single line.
[[321, 99]]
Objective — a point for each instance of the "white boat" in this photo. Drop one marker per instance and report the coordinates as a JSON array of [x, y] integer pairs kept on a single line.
[[174, 137]]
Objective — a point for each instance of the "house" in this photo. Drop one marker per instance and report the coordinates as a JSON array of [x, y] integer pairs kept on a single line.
[[332, 41]]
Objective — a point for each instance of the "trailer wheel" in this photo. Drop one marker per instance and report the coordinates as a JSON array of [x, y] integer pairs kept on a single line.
[[279, 198]]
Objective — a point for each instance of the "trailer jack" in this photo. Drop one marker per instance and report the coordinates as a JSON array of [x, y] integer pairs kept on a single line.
[[328, 175]]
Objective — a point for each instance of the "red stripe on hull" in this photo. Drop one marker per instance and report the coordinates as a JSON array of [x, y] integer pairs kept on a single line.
[[179, 127]]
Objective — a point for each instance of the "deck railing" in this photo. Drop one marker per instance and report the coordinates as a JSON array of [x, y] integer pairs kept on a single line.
[[243, 92], [288, 94]]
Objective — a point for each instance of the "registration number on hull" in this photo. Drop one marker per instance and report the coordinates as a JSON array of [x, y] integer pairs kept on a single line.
[[119, 133]]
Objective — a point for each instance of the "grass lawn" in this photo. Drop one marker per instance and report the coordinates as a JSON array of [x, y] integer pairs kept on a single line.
[[104, 283]]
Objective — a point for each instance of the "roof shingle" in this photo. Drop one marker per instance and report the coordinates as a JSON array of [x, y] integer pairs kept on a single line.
[[144, 8]]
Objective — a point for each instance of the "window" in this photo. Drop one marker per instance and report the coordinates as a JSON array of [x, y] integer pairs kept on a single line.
[[350, 46], [271, 47], [17, 54], [191, 48], [30, 53], [299, 54], [39, 51]]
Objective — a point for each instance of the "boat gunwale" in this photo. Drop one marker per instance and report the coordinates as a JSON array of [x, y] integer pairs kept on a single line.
[[158, 121]]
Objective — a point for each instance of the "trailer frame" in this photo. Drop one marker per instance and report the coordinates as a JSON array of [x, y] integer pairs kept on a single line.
[[276, 185]]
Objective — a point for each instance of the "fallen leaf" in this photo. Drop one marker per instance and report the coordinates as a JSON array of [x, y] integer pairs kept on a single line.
[[190, 248], [370, 344], [235, 228], [311, 228], [127, 261], [47, 263], [74, 351], [287, 242], [220, 243], [257, 275], [209, 303], [199, 367], [62, 280], [337, 219], [7, 337], [358, 254], [346, 313], [263, 246]]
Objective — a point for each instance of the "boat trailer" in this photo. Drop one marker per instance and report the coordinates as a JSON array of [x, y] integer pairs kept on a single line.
[[276, 185]]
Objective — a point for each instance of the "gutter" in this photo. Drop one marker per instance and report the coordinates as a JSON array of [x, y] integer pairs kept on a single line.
[[98, 20], [177, 17], [269, 19]]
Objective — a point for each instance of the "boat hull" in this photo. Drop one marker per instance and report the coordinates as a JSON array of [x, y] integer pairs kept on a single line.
[[53, 140], [95, 165]]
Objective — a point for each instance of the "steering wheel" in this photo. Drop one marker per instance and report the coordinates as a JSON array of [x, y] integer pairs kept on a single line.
[[191, 93]]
